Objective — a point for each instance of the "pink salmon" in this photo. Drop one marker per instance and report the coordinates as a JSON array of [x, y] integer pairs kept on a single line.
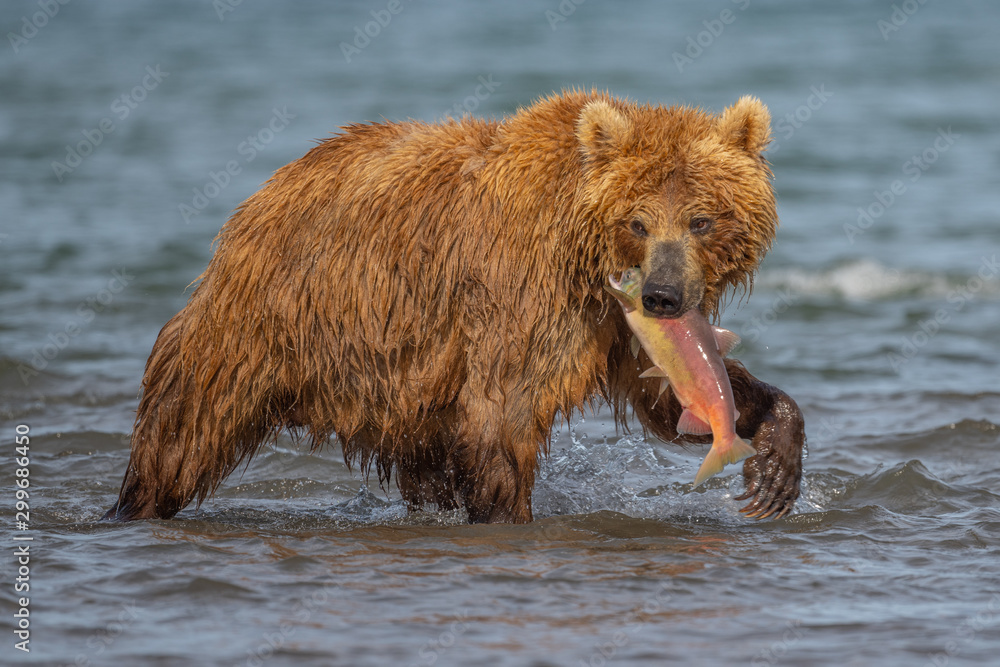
[[687, 352]]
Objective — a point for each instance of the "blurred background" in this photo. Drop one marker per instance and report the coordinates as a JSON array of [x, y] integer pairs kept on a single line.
[[131, 130]]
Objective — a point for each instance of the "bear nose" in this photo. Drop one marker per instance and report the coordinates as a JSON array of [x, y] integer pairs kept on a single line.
[[661, 300]]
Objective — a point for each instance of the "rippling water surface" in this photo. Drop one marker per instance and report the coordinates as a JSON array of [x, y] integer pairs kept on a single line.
[[882, 326]]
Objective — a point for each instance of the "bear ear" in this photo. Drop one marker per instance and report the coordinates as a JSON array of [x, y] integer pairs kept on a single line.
[[746, 125], [602, 130]]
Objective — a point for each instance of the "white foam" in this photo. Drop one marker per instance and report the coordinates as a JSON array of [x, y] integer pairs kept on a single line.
[[868, 280]]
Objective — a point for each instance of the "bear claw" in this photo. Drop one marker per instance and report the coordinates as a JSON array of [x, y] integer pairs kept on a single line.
[[773, 496]]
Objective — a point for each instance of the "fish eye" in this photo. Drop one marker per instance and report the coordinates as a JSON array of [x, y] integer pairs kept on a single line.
[[701, 224], [638, 228]]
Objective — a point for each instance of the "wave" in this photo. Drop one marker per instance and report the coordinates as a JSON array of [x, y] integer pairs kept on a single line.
[[869, 280]]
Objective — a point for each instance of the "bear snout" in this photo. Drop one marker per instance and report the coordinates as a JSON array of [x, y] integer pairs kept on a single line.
[[673, 281], [662, 300]]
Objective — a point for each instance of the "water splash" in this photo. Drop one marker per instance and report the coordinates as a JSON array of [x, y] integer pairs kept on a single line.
[[366, 507], [631, 476]]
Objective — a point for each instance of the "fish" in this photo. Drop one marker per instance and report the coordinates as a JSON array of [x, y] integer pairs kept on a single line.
[[687, 355]]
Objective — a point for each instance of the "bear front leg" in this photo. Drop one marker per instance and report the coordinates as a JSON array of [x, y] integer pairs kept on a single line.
[[496, 485], [495, 454], [774, 422]]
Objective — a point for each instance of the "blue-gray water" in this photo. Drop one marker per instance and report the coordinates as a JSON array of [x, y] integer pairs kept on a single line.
[[885, 332]]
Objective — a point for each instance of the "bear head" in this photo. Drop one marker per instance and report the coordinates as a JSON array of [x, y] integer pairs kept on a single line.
[[681, 193]]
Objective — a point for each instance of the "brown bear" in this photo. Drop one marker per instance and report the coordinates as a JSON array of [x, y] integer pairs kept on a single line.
[[431, 295]]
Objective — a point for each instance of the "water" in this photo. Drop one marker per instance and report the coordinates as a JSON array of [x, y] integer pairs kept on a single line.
[[884, 334]]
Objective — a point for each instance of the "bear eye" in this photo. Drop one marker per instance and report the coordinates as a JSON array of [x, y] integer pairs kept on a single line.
[[638, 228], [701, 225]]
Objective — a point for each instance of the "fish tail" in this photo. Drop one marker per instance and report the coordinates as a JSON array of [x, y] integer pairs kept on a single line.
[[722, 455], [742, 449]]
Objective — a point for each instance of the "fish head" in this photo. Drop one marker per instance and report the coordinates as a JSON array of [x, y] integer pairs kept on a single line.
[[627, 289]]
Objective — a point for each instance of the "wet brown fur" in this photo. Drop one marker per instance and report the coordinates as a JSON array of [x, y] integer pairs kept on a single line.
[[430, 294]]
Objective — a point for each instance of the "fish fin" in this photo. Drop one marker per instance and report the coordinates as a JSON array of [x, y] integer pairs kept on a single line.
[[653, 372], [634, 346], [725, 339], [664, 384], [744, 449], [688, 423], [736, 415], [624, 299], [720, 456]]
